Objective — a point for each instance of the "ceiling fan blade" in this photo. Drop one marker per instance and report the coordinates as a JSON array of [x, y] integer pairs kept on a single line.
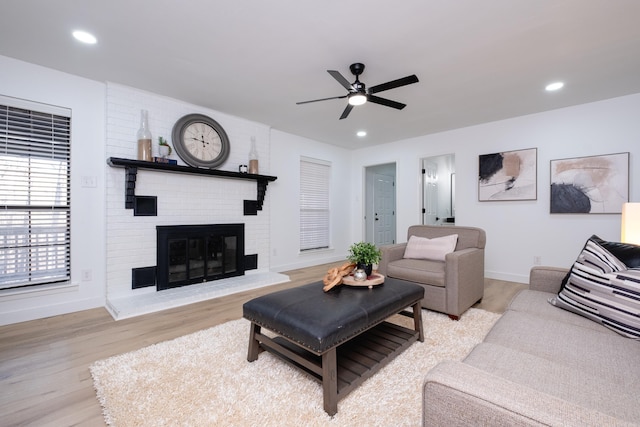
[[346, 111], [339, 77], [321, 99], [394, 84], [386, 102]]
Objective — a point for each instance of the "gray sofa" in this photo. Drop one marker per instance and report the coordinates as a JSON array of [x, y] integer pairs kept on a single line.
[[539, 365], [450, 286]]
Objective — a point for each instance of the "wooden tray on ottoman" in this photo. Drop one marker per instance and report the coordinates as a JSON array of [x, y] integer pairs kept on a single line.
[[373, 280]]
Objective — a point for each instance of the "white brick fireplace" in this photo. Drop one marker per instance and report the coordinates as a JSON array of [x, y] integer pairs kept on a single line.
[[182, 199]]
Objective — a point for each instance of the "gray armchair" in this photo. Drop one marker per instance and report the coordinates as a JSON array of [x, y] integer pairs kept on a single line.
[[451, 286]]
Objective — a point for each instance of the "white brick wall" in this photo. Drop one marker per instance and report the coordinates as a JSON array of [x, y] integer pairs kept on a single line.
[[182, 198]]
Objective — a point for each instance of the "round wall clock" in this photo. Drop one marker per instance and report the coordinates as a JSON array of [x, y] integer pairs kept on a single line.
[[200, 141]]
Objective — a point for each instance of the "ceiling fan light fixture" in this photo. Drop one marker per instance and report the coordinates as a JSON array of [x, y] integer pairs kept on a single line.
[[358, 94], [357, 99]]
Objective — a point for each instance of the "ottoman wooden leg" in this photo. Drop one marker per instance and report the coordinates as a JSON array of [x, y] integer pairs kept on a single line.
[[330, 381], [417, 320], [254, 344]]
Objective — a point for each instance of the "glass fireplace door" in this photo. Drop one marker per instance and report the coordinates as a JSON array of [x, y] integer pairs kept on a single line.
[[195, 254]]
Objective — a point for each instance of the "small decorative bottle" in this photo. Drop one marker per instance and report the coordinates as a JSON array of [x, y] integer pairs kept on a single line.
[[144, 138], [253, 157]]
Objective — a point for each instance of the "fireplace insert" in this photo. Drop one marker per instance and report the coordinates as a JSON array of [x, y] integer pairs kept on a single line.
[[188, 254]]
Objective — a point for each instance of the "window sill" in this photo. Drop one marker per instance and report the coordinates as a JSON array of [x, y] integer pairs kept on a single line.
[[316, 251], [36, 291]]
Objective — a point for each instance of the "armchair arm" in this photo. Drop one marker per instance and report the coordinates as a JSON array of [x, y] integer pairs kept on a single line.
[[464, 279], [390, 253]]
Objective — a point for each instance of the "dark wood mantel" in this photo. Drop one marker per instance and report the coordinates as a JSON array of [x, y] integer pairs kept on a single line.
[[251, 207]]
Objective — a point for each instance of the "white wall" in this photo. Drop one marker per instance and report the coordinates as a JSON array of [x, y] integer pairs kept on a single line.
[[516, 231], [286, 150], [86, 100]]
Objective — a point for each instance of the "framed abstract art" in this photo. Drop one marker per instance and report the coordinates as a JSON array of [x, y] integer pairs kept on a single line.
[[509, 175], [587, 185]]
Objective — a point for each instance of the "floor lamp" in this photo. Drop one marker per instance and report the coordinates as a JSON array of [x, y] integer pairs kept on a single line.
[[630, 227]]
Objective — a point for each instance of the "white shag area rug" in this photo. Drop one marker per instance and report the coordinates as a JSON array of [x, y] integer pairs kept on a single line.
[[204, 379]]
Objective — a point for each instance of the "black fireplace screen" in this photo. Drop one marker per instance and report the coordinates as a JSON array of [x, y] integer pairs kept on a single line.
[[189, 254]]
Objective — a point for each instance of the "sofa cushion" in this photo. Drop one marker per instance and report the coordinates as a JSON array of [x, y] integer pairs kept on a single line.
[[535, 302], [566, 344], [458, 394], [599, 389], [433, 249], [420, 271], [601, 289]]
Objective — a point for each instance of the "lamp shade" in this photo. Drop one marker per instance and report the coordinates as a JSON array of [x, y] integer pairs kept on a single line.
[[630, 227]]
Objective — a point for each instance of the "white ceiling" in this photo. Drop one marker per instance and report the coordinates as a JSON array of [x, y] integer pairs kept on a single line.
[[477, 61]]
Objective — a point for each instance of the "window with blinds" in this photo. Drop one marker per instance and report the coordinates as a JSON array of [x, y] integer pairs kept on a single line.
[[314, 204], [34, 193]]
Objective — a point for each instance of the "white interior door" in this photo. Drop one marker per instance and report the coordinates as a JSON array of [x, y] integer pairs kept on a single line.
[[384, 221]]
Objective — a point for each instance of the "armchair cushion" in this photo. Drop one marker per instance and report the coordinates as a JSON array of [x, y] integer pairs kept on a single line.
[[419, 271], [433, 249]]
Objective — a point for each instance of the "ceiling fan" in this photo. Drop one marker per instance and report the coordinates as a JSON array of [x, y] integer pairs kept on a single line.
[[359, 94]]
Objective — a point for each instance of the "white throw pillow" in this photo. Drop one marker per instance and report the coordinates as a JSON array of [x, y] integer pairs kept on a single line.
[[434, 249]]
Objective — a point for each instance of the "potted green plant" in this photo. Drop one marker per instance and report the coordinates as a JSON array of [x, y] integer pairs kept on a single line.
[[364, 254]]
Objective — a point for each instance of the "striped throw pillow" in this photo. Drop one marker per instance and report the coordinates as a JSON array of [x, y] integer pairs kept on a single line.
[[601, 288]]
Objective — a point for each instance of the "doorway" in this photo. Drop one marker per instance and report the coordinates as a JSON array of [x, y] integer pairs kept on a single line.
[[438, 190], [380, 204]]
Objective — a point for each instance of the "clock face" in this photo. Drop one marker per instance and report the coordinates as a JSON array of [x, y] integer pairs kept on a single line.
[[200, 141]]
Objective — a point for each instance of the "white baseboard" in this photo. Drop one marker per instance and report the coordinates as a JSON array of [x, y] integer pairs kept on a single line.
[[27, 314], [311, 263], [508, 277]]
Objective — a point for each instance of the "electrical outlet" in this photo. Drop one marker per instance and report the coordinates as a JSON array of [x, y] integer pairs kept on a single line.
[[537, 260], [86, 275], [89, 181]]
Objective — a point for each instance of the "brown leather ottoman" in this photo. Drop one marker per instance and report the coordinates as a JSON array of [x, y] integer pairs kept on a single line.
[[340, 337]]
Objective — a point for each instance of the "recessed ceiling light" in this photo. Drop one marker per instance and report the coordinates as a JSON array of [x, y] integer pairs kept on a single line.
[[85, 37], [361, 133], [554, 86]]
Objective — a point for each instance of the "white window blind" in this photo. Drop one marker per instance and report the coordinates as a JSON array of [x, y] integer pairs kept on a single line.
[[34, 193], [314, 204]]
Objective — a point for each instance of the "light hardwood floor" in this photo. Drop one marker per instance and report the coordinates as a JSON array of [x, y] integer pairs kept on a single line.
[[44, 364]]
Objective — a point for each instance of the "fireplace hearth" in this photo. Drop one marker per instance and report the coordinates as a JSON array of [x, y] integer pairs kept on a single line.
[[190, 254]]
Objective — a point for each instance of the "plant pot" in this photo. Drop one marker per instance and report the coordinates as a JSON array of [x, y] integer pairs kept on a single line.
[[163, 150], [368, 268]]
